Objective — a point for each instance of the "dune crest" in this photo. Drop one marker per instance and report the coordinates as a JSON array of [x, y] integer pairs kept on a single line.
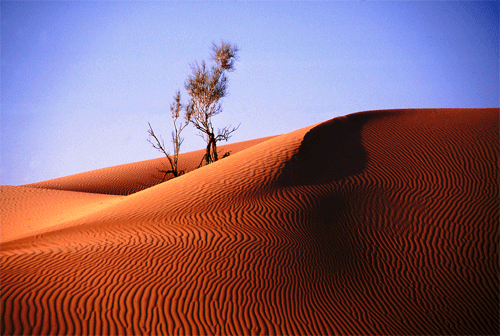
[[380, 222], [26, 211], [130, 178]]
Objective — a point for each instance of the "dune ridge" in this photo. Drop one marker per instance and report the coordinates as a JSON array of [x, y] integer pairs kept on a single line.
[[380, 222], [25, 211], [129, 178]]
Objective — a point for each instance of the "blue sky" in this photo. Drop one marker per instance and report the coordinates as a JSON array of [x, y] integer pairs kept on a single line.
[[81, 80]]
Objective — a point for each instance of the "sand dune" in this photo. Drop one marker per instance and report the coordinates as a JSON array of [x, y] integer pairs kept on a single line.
[[382, 222], [26, 211], [129, 178]]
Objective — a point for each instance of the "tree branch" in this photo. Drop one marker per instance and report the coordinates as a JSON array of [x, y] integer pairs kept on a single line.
[[160, 146]]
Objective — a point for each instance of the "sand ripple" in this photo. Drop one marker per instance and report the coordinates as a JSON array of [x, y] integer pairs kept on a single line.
[[381, 222]]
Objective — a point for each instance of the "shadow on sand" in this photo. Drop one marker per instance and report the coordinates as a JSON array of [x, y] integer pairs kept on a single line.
[[329, 152]]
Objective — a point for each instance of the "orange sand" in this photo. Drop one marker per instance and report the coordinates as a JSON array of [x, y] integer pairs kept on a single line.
[[132, 177], [382, 222], [25, 211]]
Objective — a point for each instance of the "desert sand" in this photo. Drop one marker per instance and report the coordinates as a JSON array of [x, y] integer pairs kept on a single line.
[[379, 222]]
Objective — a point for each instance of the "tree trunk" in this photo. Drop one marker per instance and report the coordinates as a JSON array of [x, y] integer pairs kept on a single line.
[[214, 151], [208, 156]]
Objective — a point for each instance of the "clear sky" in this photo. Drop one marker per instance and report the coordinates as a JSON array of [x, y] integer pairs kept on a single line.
[[81, 80]]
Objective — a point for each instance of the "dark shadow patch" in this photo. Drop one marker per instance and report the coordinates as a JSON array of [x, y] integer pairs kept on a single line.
[[330, 151]]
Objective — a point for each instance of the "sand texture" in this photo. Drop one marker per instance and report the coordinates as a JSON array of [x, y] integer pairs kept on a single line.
[[380, 222], [130, 178]]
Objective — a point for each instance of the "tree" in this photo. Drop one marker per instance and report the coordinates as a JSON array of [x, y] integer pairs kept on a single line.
[[206, 86], [177, 140]]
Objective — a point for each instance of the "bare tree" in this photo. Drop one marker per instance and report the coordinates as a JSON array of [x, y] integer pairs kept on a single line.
[[206, 86], [177, 140]]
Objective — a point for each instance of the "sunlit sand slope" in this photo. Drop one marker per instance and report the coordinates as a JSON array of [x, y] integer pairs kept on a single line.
[[24, 210], [129, 178], [380, 222]]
